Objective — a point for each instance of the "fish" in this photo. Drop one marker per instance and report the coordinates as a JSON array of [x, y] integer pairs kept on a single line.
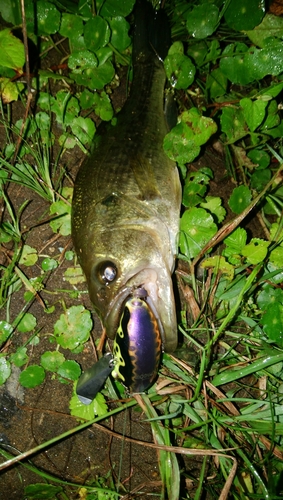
[[127, 196]]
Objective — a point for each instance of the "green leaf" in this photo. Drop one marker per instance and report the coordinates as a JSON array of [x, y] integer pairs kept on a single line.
[[269, 295], [112, 8], [61, 208], [82, 59], [5, 331], [86, 412], [213, 204], [183, 143], [27, 323], [96, 33], [119, 33], [49, 264], [234, 244], [5, 370], [272, 322], [42, 491], [197, 228], [102, 105], [256, 250], [243, 15], [254, 112], [73, 328], [232, 64], [95, 78], [260, 158], [47, 18], [219, 265], [276, 257], [240, 199], [233, 124], [74, 275], [203, 20], [70, 369], [260, 178], [216, 83], [71, 26], [9, 91], [52, 360], [20, 357], [32, 376], [83, 129], [12, 54], [179, 68], [271, 26]]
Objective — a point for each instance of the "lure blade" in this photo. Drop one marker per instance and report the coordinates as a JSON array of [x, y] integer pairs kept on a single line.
[[93, 379]]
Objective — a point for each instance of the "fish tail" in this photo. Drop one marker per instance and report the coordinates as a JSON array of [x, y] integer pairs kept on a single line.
[[152, 33]]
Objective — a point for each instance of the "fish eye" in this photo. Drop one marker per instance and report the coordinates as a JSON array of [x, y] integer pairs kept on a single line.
[[107, 272]]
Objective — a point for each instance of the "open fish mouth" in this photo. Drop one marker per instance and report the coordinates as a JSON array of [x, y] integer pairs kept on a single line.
[[160, 298]]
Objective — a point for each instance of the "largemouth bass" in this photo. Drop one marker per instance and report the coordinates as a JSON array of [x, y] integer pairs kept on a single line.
[[127, 196]]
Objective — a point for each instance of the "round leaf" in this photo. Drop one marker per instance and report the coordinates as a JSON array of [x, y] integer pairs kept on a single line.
[[96, 33], [256, 250], [112, 8], [52, 360], [73, 327], [32, 376], [243, 15], [69, 369], [83, 129], [240, 199], [48, 17], [202, 20], [119, 33]]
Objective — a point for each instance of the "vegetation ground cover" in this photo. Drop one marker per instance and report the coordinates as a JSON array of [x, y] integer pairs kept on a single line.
[[218, 399]]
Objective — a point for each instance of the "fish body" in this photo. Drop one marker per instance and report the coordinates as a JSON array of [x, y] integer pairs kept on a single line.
[[127, 197]]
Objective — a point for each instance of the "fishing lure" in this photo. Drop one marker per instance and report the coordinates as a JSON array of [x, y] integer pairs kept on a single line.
[[93, 379], [138, 344]]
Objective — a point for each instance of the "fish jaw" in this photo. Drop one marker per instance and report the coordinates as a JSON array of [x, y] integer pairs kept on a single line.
[[158, 284]]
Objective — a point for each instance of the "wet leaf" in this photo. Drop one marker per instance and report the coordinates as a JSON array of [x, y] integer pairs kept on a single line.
[[47, 17], [5, 331], [260, 178], [52, 360], [260, 158], [5, 370], [96, 33], [276, 257], [234, 244], [233, 124], [203, 20], [269, 295], [243, 15], [73, 327], [179, 68], [71, 26], [197, 227], [271, 26], [112, 8], [272, 322], [49, 264], [216, 83], [119, 33], [240, 199], [32, 376], [103, 106], [82, 59]]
